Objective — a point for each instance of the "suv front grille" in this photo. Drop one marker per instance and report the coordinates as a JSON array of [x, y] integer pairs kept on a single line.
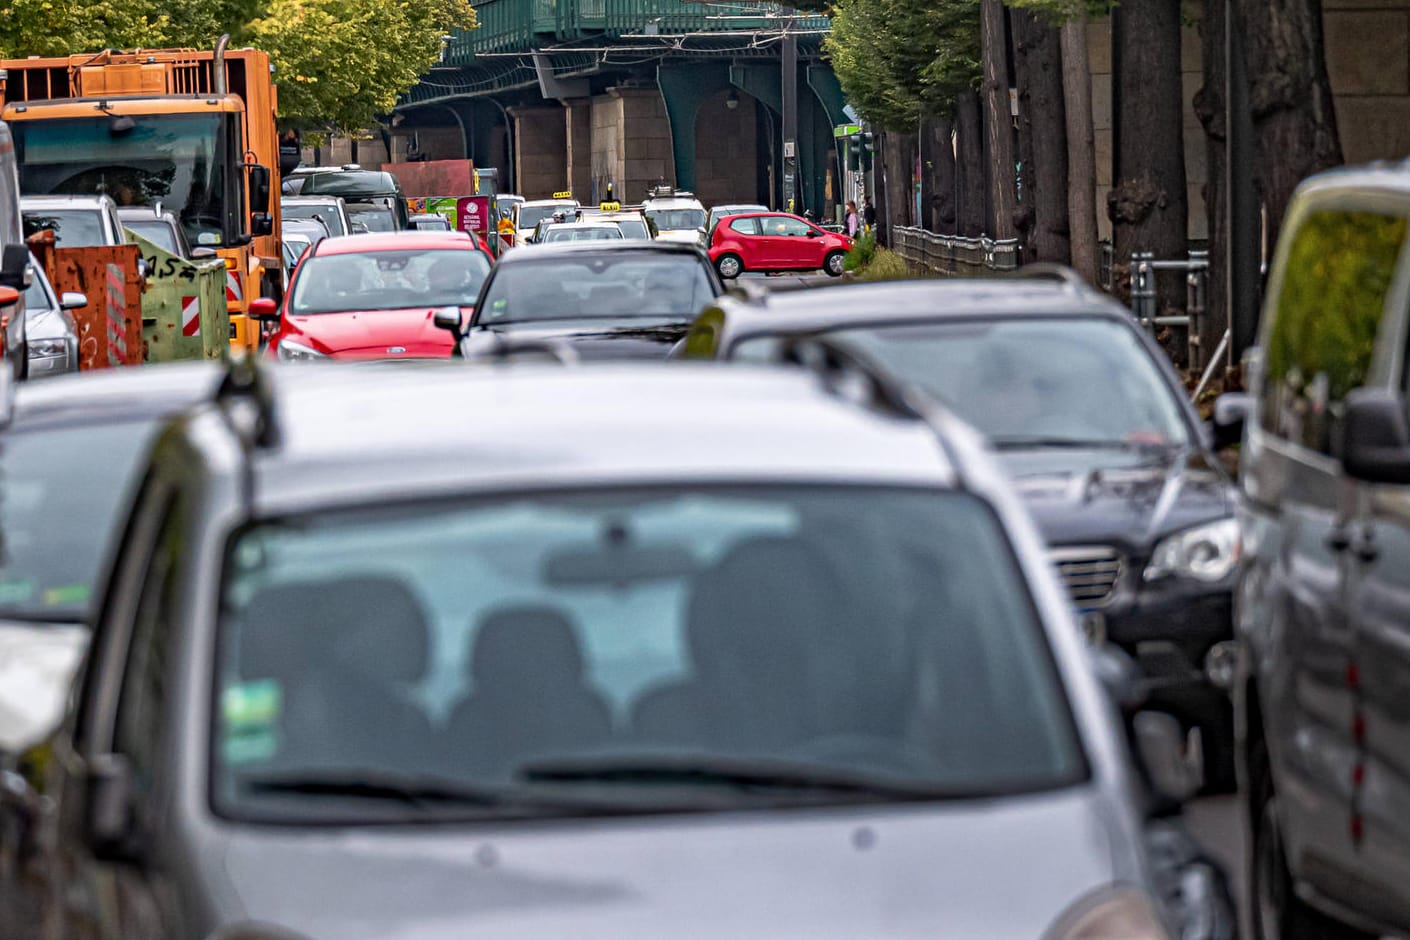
[[1090, 572]]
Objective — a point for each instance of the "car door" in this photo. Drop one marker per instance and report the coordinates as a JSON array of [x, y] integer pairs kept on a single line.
[[744, 232], [1379, 602], [789, 246], [1297, 597]]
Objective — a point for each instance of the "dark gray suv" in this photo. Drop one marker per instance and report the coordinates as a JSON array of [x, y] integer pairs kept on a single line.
[[637, 651]]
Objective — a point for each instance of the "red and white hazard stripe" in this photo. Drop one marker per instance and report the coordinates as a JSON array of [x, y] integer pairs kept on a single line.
[[190, 316], [234, 293]]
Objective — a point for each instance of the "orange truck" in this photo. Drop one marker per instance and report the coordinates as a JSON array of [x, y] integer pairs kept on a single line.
[[192, 130]]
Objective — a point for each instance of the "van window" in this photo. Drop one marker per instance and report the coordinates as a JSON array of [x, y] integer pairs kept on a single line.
[[1333, 296]]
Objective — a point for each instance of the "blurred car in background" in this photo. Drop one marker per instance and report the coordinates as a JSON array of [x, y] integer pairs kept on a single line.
[[430, 222], [632, 221], [773, 242], [676, 215], [52, 333], [332, 211], [162, 229], [308, 231], [719, 212], [76, 221], [581, 232], [528, 214]]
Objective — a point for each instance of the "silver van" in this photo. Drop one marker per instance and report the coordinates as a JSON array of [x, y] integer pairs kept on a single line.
[[15, 272]]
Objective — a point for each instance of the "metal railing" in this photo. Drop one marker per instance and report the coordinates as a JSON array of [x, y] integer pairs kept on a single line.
[[951, 254], [1145, 297]]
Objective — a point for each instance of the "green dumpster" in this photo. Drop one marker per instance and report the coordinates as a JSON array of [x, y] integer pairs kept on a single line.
[[183, 307]]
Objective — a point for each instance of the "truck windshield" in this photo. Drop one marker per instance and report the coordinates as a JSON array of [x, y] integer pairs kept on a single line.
[[179, 160]]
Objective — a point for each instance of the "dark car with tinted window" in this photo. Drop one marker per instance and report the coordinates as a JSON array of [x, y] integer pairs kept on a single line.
[[618, 299], [1096, 430]]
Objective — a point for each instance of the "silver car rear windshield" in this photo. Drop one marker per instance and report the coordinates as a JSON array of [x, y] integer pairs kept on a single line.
[[632, 650], [598, 285]]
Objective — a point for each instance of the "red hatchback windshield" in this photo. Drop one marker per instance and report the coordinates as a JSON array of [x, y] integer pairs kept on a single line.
[[388, 280]]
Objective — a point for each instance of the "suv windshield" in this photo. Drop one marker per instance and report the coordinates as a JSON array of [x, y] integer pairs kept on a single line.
[[606, 284], [329, 215], [177, 160], [531, 216], [388, 280], [674, 220], [1028, 381], [57, 506], [697, 648], [376, 218]]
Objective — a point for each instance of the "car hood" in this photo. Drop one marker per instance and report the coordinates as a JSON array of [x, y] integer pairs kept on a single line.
[[372, 334], [626, 338], [46, 323], [1125, 498], [37, 664], [998, 869]]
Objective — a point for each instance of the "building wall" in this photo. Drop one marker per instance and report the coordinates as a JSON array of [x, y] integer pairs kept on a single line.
[[540, 158], [725, 157]]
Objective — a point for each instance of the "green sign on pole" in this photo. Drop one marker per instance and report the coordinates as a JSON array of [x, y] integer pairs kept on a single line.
[[846, 130]]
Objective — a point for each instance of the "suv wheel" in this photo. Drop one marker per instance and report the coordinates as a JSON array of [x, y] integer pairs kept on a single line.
[[1278, 913], [832, 264], [729, 266]]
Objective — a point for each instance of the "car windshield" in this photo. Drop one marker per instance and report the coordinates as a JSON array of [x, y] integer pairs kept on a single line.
[[329, 215], [674, 220], [36, 298], [59, 509], [72, 228], [634, 228], [698, 648], [156, 232], [388, 280], [1020, 381], [531, 216], [178, 160], [376, 218], [600, 284], [582, 233]]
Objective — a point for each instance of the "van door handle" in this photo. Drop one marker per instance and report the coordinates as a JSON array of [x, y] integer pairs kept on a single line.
[[1339, 540]]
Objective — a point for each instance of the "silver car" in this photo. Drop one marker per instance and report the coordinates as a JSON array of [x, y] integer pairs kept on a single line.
[[52, 331], [692, 651]]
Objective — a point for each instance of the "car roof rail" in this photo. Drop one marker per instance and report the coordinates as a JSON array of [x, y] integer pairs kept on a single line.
[[247, 398], [836, 362], [506, 348], [1052, 271]]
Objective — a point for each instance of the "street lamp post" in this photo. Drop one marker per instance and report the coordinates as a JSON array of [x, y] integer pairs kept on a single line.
[[789, 49]]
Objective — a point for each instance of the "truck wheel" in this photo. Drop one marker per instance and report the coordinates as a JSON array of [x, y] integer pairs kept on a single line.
[[1278, 913]]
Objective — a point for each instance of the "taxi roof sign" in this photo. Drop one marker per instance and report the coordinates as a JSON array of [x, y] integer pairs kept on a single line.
[[609, 206], [563, 194]]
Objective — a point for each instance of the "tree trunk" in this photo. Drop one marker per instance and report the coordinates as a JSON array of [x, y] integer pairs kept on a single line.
[[1290, 96], [938, 169], [1081, 149], [1148, 204], [969, 167], [1040, 97], [899, 160], [998, 121], [879, 173], [1210, 108]]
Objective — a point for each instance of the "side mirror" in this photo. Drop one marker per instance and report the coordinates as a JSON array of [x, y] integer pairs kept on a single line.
[[261, 223], [814, 233], [264, 309], [1374, 443], [110, 818], [1231, 411], [15, 271], [1174, 773], [201, 254], [259, 189], [449, 318], [360, 228], [72, 300], [1119, 675]]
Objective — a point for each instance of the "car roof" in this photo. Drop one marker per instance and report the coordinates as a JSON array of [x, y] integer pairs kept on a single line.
[[614, 246], [672, 202], [55, 202], [341, 439], [915, 301], [392, 241], [310, 200], [145, 214], [153, 390]]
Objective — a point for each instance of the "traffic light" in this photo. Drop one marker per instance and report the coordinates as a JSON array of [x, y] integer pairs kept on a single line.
[[854, 153]]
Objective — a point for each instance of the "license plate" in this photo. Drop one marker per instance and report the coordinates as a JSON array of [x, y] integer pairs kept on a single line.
[[1092, 623]]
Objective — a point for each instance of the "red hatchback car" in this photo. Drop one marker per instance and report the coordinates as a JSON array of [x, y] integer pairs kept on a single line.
[[375, 296], [775, 241]]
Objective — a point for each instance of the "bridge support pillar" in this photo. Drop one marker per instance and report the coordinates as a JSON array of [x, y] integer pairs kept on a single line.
[[540, 152], [577, 134], [631, 142]]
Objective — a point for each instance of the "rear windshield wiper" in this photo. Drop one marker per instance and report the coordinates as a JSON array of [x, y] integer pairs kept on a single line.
[[743, 774]]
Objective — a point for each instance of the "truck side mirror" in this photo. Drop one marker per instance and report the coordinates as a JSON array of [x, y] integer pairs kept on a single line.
[[14, 266], [1231, 411], [261, 223], [259, 188], [1375, 437]]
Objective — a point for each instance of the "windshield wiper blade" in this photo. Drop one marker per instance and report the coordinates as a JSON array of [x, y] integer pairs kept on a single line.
[[733, 772], [370, 785], [1037, 442]]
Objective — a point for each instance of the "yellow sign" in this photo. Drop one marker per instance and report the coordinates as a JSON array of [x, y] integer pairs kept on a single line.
[[610, 206], [565, 194], [477, 180]]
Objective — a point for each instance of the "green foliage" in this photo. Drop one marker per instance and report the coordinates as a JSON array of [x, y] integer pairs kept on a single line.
[[339, 63], [863, 250], [887, 266], [897, 58], [1060, 11]]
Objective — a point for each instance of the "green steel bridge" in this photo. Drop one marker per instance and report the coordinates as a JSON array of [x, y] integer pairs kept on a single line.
[[536, 53]]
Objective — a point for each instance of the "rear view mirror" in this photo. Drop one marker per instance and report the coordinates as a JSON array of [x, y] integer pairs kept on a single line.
[[201, 254], [73, 300], [262, 223], [264, 308], [259, 188], [1374, 444], [448, 318], [1231, 411], [814, 233]]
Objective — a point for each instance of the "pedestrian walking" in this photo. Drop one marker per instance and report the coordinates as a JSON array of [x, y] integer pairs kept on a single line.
[[869, 214], [851, 221]]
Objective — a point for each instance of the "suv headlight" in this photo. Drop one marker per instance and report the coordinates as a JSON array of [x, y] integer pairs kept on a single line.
[[47, 348], [1206, 552], [290, 351], [1117, 912]]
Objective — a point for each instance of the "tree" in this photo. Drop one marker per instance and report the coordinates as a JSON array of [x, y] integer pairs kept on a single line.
[[1211, 109], [1290, 96], [341, 64], [998, 136], [1043, 134]]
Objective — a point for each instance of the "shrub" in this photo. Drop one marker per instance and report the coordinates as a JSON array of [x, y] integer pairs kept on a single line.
[[886, 265], [862, 253]]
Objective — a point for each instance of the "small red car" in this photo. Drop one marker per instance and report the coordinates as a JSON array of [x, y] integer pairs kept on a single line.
[[775, 241], [375, 296]]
